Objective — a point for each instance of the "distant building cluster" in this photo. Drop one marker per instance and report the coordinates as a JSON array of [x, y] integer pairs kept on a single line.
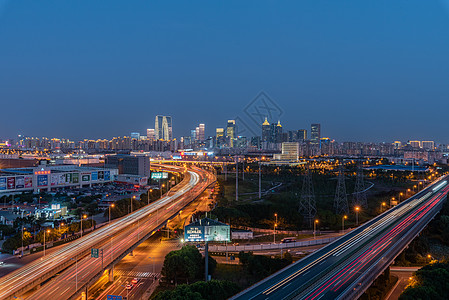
[[274, 139]]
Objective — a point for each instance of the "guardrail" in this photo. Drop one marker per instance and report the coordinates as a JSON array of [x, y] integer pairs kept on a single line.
[[259, 247]]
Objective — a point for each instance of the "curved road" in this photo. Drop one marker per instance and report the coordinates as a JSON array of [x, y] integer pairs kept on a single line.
[[114, 239]]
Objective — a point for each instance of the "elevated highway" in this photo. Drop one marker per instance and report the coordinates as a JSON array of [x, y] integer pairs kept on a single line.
[[345, 268], [73, 264]]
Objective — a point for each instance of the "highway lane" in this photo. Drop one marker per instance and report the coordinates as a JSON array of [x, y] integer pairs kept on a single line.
[[329, 272], [138, 221], [64, 285]]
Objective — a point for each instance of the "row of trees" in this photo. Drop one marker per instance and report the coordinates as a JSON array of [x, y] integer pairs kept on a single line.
[[429, 282], [211, 290], [54, 234]]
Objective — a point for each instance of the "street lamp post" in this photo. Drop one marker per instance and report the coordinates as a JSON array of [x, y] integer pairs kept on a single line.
[[132, 199], [275, 225], [148, 195], [82, 217], [383, 204], [357, 215], [343, 223], [314, 228], [112, 205], [45, 231], [400, 194], [152, 260]]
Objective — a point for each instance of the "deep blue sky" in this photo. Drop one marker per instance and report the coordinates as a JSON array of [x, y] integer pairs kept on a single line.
[[366, 70]]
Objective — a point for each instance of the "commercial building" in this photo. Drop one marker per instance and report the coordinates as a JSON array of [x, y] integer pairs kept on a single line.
[[47, 178], [150, 134], [290, 152], [163, 128], [53, 212], [231, 133], [201, 132], [129, 164], [315, 134]]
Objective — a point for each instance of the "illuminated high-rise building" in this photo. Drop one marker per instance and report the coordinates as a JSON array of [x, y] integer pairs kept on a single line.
[[150, 134], [163, 128], [201, 132], [231, 132], [315, 134], [266, 131]]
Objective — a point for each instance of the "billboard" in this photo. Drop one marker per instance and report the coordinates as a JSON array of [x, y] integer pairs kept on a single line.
[[11, 183], [28, 182], [107, 175], [85, 177], [42, 180], [100, 175], [159, 175], [54, 179], [2, 183], [94, 176], [207, 232], [75, 177], [20, 182]]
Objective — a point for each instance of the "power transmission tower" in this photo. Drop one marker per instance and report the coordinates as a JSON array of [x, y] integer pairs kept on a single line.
[[341, 199], [359, 198], [307, 206]]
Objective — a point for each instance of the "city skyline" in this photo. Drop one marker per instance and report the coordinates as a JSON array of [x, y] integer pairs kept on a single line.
[[382, 80]]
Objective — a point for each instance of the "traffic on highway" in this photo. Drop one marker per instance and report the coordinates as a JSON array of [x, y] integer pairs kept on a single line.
[[346, 267], [74, 262]]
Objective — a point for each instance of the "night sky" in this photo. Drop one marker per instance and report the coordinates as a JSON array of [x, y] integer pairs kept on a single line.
[[366, 70]]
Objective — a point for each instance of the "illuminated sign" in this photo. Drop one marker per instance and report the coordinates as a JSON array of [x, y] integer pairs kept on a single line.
[[42, 180], [20, 182], [107, 175], [2, 183], [28, 182], [207, 230], [94, 176], [159, 175], [11, 183], [85, 177], [75, 177]]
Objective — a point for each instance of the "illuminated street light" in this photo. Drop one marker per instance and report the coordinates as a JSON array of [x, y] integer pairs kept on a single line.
[[343, 222], [112, 205], [82, 217], [357, 208], [314, 228], [45, 231]]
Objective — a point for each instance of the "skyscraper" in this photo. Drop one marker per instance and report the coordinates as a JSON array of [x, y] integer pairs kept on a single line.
[[230, 132], [302, 135], [201, 132], [266, 131], [315, 134], [150, 134], [163, 128]]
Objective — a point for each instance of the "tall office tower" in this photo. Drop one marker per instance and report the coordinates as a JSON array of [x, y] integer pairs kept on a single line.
[[315, 134], [275, 133], [231, 132], [135, 135], [219, 132], [302, 135], [219, 137], [150, 134], [197, 133], [163, 128], [192, 135], [202, 129], [266, 131]]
